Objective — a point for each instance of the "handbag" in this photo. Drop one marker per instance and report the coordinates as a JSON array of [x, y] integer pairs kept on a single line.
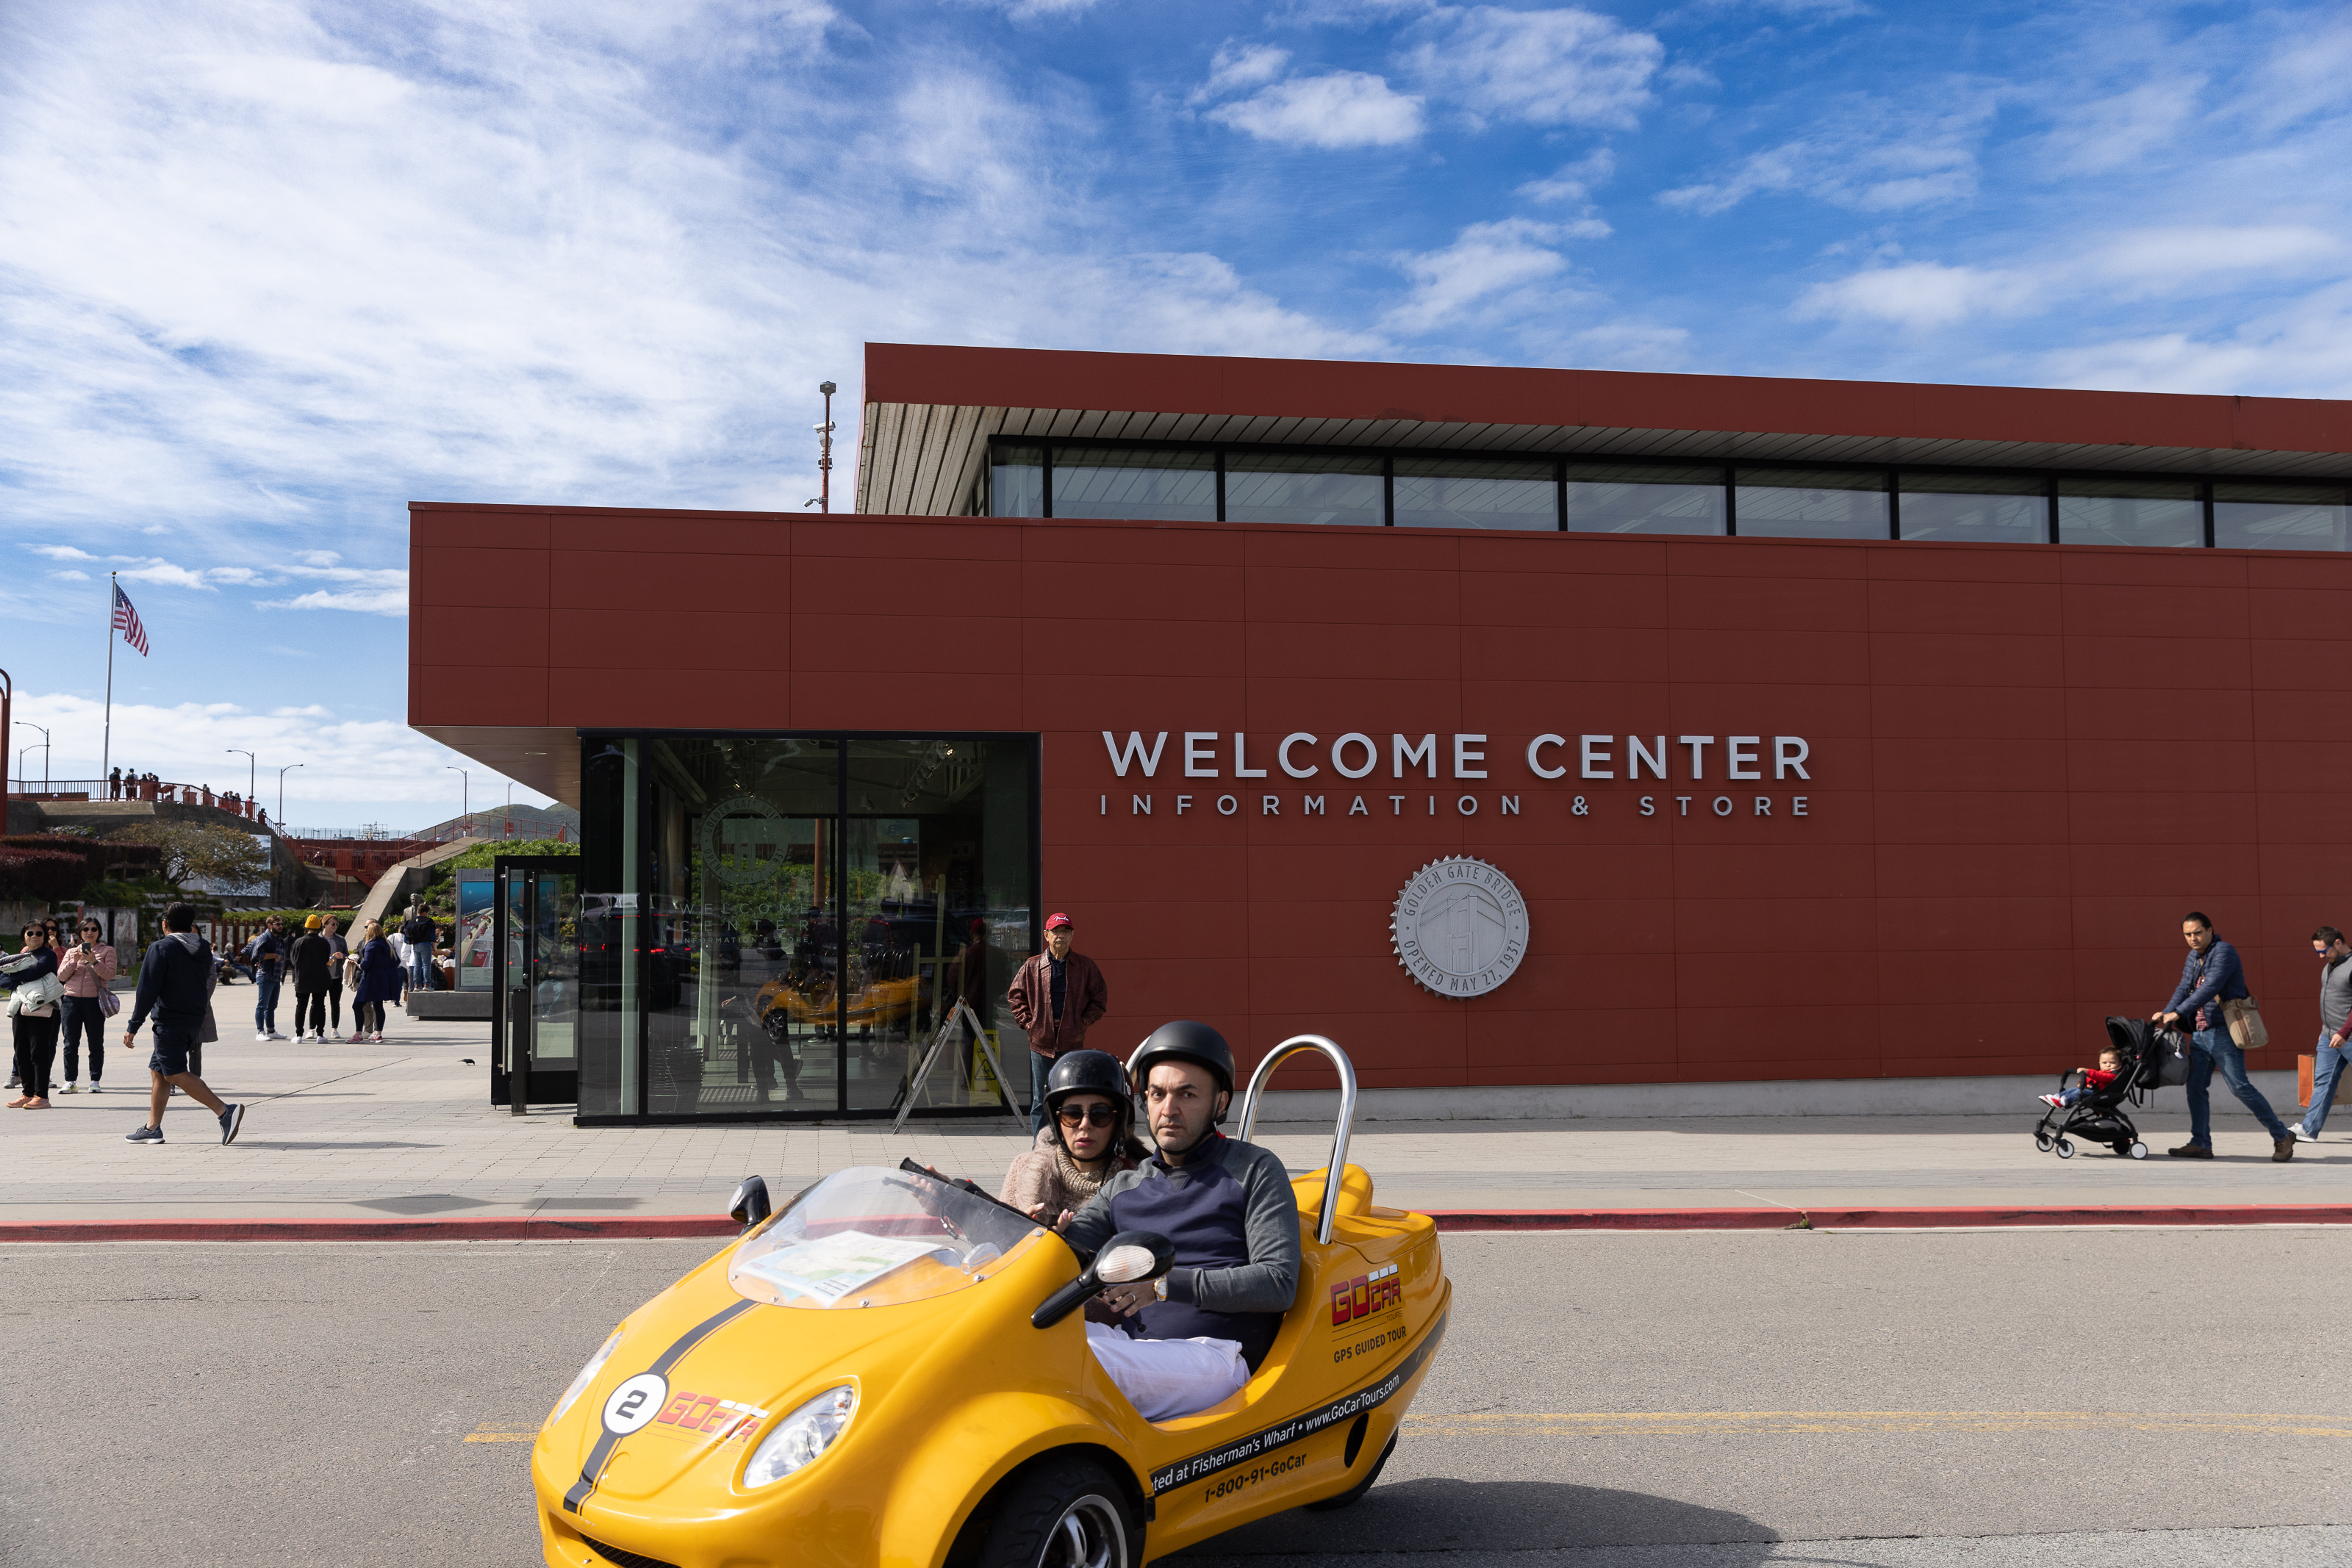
[[2171, 1047], [2244, 1016], [110, 1001]]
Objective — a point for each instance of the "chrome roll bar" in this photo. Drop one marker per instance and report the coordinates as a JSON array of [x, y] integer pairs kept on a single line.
[[1274, 1058]]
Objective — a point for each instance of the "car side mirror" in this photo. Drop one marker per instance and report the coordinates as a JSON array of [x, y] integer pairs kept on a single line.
[[750, 1203], [1130, 1256]]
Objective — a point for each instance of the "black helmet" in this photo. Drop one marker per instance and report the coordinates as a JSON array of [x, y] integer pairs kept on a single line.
[[1087, 1072], [1185, 1041]]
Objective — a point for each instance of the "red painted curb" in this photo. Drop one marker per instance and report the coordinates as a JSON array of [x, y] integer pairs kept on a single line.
[[479, 1227], [1895, 1219], [522, 1228]]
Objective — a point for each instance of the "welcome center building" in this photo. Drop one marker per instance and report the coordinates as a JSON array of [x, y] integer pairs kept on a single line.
[[1558, 741]]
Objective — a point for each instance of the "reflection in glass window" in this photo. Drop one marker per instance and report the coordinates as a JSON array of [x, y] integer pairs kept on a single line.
[[1475, 492], [1986, 509], [2281, 516], [1278, 487], [1134, 482], [1016, 482], [1637, 498], [2164, 513], [1810, 503], [799, 916]]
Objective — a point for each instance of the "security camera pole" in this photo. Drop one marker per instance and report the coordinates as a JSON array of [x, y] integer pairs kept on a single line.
[[823, 501]]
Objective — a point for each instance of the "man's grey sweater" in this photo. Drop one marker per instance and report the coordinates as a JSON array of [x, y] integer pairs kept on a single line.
[[2334, 995]]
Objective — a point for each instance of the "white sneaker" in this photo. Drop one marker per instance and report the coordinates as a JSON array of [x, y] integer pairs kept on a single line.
[[261, 1034], [273, 1034], [2302, 1135], [76, 1088], [97, 1088]]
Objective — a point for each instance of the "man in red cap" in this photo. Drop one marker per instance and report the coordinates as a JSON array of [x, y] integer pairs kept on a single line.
[[1056, 998]]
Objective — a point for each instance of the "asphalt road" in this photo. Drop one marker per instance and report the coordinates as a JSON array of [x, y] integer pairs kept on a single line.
[[2087, 1398]]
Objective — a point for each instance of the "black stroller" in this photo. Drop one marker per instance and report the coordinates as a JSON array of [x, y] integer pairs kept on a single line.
[[2149, 1057]]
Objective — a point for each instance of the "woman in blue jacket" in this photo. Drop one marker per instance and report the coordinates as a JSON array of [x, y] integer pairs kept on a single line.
[[378, 982]]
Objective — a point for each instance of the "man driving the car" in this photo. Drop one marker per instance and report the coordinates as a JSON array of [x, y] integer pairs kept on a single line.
[[1192, 1336]]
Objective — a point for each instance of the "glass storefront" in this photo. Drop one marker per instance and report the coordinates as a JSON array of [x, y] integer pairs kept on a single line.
[[779, 926]]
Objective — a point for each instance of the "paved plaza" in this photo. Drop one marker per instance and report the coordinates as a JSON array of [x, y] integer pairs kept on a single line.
[[406, 1128]]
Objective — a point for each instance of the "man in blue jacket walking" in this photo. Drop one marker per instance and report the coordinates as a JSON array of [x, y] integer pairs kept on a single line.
[[176, 983], [2209, 976]]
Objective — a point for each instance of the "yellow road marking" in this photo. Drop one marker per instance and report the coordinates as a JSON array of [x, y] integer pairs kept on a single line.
[[1694, 1422], [492, 1432]]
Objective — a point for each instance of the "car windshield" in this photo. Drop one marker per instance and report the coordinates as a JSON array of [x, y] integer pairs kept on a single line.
[[869, 1237]]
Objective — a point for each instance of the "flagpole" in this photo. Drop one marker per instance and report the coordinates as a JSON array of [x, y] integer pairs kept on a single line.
[[106, 744]]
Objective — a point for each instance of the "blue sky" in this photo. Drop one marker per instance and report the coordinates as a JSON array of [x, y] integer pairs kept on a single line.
[[270, 269]]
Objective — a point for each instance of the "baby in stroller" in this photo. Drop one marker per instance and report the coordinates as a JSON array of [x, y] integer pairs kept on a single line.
[[2103, 1076], [2130, 1068]]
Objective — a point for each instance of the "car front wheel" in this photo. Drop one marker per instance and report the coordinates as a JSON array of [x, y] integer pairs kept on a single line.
[[1064, 1514]]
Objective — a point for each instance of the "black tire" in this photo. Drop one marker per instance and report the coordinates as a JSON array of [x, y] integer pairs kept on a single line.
[[1355, 1492], [1065, 1513]]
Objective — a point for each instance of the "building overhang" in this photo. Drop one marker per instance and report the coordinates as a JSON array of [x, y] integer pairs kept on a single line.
[[931, 411]]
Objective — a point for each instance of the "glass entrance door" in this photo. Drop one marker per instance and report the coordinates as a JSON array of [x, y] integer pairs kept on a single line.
[[535, 977]]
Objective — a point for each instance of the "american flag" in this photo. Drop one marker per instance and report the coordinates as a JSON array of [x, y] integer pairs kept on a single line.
[[126, 621]]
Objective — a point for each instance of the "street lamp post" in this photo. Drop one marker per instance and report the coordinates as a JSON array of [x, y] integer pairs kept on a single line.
[[44, 753], [281, 792], [464, 798], [241, 751]]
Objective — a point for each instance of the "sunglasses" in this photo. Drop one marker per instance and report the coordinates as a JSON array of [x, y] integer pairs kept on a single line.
[[1091, 1116]]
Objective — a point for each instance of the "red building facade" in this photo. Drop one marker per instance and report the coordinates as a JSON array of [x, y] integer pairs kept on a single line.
[[1778, 807]]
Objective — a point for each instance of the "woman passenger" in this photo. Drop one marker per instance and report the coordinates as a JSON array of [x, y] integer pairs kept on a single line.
[[1087, 1139]]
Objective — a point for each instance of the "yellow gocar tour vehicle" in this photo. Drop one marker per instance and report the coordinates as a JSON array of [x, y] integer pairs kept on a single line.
[[894, 1371]]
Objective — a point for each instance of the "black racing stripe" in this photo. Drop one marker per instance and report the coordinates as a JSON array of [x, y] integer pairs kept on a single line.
[[602, 1454], [1243, 1449]]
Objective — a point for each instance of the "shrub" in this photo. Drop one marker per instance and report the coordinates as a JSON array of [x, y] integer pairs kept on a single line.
[[44, 874]]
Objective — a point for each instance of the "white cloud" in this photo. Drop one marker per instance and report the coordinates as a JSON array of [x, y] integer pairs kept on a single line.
[[1237, 66], [2163, 257], [2122, 129], [1562, 66], [1862, 153], [2303, 348], [1484, 261], [72, 577], [1341, 109], [1574, 182], [1916, 293]]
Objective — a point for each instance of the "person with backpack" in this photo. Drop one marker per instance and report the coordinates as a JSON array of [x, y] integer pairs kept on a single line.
[[2211, 978], [267, 954], [175, 985]]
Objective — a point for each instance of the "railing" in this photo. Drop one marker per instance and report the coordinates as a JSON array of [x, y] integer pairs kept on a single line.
[[161, 791]]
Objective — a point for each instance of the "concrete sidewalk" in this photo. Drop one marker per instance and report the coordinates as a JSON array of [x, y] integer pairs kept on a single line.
[[406, 1129]]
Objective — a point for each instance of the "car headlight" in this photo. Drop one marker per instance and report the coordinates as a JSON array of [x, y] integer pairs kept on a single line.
[[802, 1436], [587, 1375]]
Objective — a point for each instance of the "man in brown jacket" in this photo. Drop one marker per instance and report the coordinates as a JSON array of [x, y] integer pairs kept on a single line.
[[1056, 998]]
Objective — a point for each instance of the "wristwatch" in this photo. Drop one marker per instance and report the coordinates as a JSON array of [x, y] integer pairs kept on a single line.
[[1159, 1288]]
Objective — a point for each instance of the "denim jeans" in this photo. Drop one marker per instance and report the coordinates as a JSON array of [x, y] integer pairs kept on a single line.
[[2326, 1073], [2209, 1049], [420, 966], [266, 981], [1041, 1068]]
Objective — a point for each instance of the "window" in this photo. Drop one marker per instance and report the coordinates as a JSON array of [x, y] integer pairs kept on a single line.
[[1990, 508], [1279, 487], [1475, 492], [1810, 503], [1016, 482], [1146, 485], [2165, 513], [1633, 499], [795, 917], [2281, 516]]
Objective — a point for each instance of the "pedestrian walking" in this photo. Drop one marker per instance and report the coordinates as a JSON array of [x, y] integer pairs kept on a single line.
[[2210, 980], [32, 976], [309, 960], [2335, 1029], [87, 973], [419, 931], [340, 950], [175, 986], [268, 954], [1056, 998], [379, 971]]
